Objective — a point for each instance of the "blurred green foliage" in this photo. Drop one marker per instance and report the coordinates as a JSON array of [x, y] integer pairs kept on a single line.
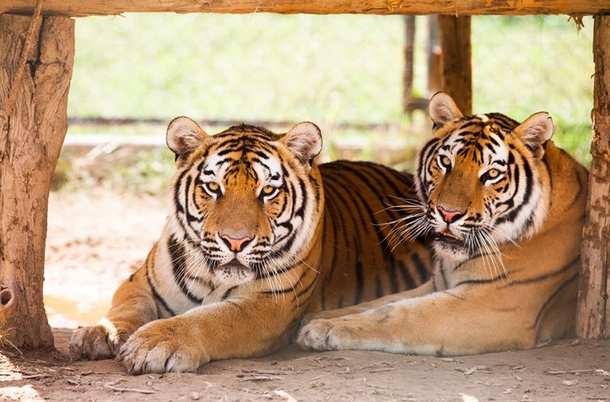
[[327, 69]]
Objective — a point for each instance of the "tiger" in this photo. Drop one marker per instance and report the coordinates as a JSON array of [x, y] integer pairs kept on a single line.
[[257, 235], [505, 207]]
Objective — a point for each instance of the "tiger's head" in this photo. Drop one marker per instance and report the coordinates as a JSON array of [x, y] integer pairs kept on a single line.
[[482, 179], [246, 200]]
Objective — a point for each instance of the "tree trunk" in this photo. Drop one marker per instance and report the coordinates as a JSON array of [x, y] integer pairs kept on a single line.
[[593, 312], [456, 59], [32, 133]]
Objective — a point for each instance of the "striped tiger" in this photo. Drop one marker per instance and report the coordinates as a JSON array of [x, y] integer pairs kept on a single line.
[[257, 236], [506, 208]]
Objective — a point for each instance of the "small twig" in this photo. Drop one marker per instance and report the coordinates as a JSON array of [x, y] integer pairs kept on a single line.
[[576, 372], [381, 370], [245, 372], [120, 389], [32, 376], [258, 378], [27, 46]]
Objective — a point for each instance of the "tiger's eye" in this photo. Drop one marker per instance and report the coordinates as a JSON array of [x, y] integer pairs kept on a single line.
[[445, 161], [493, 173], [268, 190], [212, 188]]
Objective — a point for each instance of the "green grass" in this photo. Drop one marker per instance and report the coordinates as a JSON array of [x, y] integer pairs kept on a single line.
[[327, 69], [243, 67]]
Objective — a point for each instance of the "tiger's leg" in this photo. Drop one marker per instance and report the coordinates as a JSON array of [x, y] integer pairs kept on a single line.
[[424, 289], [442, 323], [238, 328], [132, 306]]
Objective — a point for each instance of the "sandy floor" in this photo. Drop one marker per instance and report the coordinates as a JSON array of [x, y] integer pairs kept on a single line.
[[95, 242]]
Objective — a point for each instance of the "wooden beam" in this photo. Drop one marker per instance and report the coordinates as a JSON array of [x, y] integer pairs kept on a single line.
[[593, 306], [421, 7], [33, 124]]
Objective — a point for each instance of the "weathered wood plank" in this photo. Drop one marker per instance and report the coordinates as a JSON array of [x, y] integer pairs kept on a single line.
[[593, 309], [420, 7]]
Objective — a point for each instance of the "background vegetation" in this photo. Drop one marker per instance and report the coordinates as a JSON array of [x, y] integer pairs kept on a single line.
[[327, 69]]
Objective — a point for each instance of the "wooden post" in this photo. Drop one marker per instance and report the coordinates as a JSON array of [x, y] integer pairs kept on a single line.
[[407, 77], [593, 320], [435, 57], [32, 131], [456, 57]]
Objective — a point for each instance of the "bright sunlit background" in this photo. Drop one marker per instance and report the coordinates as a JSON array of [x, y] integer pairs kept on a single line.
[[332, 70]]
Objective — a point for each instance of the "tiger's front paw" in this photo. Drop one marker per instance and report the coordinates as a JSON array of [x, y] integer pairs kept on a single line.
[[97, 342], [160, 347], [320, 334]]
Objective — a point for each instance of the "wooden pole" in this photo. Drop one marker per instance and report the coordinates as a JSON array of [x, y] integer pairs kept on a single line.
[[456, 60], [593, 320], [407, 76], [32, 129]]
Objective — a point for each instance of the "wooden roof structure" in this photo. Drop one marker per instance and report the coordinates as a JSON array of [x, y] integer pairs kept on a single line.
[[36, 59], [382, 7]]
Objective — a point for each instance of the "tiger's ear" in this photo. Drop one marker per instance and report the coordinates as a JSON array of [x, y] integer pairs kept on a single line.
[[305, 141], [442, 109], [535, 132], [184, 136]]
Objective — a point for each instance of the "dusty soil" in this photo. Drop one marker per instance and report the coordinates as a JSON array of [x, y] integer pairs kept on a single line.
[[96, 241]]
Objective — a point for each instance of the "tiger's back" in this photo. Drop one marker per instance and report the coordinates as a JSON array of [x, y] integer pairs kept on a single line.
[[364, 256]]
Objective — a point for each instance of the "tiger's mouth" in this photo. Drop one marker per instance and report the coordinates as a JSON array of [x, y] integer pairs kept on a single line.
[[234, 267], [447, 236]]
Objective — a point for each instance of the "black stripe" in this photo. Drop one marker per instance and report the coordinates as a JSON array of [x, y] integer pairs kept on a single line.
[[552, 297], [228, 293], [379, 287], [177, 255], [481, 281], [307, 291], [329, 210], [177, 187], [529, 184], [405, 274], [548, 274], [160, 300], [355, 193], [421, 267], [284, 268], [346, 214]]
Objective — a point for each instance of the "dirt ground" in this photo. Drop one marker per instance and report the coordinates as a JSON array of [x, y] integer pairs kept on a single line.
[[96, 241]]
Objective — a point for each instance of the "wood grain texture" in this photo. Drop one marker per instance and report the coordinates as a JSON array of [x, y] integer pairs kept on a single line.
[[593, 310], [420, 7], [31, 135]]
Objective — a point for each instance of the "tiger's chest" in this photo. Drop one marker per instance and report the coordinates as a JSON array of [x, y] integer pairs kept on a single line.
[[181, 283], [450, 273]]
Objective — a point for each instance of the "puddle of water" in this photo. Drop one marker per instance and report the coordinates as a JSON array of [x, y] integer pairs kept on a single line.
[[67, 313]]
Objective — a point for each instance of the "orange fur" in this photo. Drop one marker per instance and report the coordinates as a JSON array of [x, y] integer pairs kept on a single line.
[[507, 209], [257, 236]]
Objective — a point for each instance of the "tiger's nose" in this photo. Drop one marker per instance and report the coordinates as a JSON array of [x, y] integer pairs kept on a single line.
[[449, 216], [235, 245]]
